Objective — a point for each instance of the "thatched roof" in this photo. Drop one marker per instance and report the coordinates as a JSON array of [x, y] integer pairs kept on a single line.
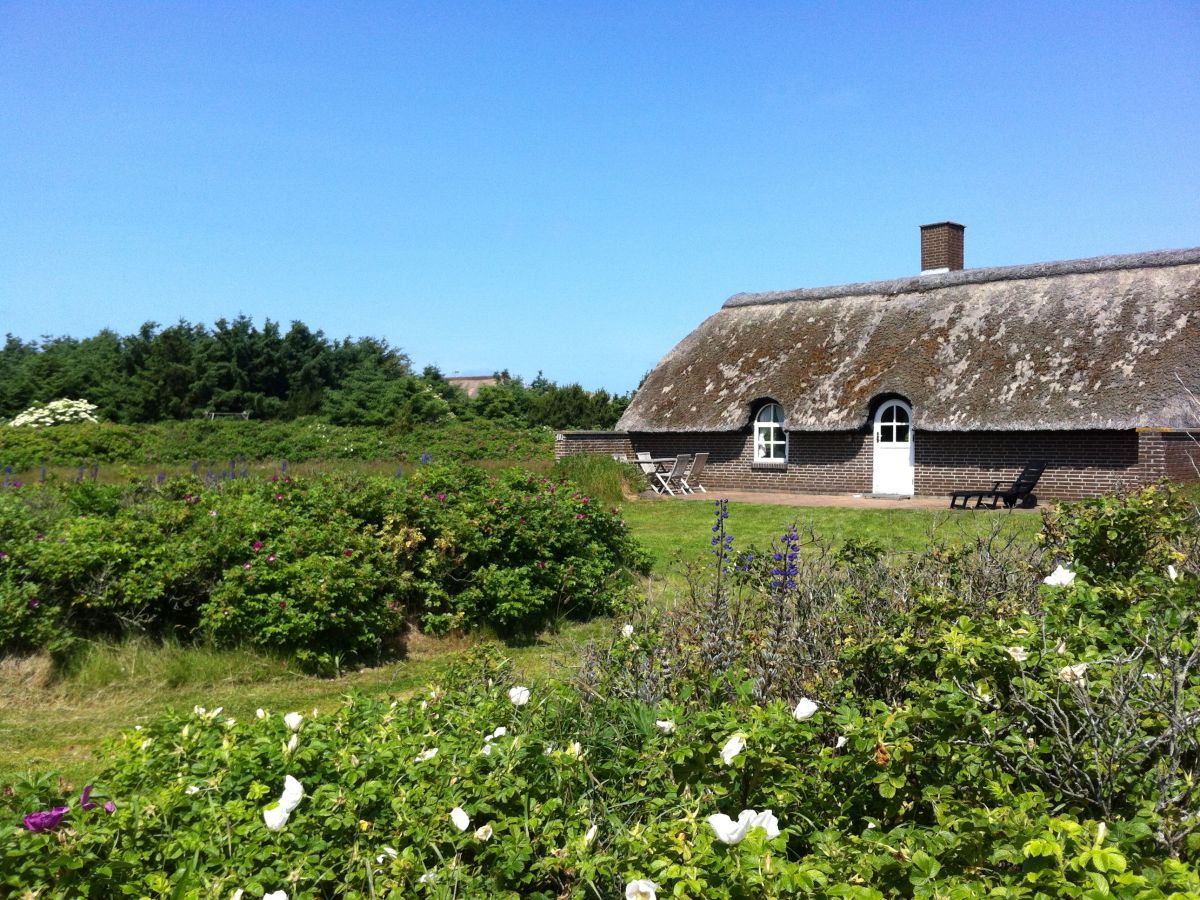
[[1109, 342]]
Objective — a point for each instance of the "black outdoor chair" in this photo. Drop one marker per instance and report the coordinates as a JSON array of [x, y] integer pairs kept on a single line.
[[1017, 492]]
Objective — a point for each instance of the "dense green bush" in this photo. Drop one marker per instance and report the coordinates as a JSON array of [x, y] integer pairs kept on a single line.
[[325, 569], [217, 442]]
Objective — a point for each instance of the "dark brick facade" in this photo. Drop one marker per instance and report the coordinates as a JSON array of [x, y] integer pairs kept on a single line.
[[1080, 463]]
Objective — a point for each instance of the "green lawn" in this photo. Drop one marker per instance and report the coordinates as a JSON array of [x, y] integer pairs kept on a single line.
[[673, 530], [61, 723]]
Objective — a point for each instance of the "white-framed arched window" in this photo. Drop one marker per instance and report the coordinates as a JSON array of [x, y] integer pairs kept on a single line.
[[770, 441]]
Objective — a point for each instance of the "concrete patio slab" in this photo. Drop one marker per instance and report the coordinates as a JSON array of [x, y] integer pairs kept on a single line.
[[848, 501]]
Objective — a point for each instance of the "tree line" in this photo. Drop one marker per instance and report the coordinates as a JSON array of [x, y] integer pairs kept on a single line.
[[187, 370]]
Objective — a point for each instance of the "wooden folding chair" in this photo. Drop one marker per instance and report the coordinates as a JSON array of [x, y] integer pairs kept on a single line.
[[693, 474]]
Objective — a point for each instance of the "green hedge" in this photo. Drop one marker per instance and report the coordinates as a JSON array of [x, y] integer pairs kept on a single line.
[[295, 441]]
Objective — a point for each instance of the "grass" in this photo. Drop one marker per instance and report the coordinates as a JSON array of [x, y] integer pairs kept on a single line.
[[60, 720], [681, 530]]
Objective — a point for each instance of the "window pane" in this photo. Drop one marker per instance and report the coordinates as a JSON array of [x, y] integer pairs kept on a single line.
[[901, 434], [777, 451], [889, 415], [885, 434], [777, 434], [901, 413]]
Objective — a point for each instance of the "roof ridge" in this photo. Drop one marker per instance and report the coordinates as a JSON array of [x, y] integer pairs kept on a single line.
[[916, 284]]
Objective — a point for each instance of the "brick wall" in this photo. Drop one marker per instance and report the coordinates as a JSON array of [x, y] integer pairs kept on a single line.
[[1079, 463], [608, 443], [1182, 450]]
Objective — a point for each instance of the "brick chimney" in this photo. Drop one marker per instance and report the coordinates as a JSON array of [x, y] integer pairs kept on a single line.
[[941, 247]]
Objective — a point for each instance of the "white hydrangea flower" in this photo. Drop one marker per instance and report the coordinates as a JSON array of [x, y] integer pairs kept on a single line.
[[805, 709], [732, 748], [459, 817], [519, 695]]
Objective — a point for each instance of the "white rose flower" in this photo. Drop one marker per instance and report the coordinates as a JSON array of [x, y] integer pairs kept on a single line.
[[237, 895], [590, 835], [841, 742], [260, 713], [388, 853], [428, 878], [192, 789], [498, 733], [483, 833], [293, 720], [459, 817], [666, 726], [519, 695], [1019, 654], [627, 630], [1172, 573], [642, 889], [732, 748], [486, 750], [292, 741], [275, 817], [731, 832], [574, 750], [1073, 674], [276, 895], [805, 709], [1060, 577], [426, 754]]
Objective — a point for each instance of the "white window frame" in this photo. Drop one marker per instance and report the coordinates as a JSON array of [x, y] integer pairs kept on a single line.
[[767, 421]]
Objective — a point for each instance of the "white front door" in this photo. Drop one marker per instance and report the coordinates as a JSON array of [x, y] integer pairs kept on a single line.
[[894, 449]]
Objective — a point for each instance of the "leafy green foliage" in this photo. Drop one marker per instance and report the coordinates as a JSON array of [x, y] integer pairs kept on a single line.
[[217, 442], [326, 570]]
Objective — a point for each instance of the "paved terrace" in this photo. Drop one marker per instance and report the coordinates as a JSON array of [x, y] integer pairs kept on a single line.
[[848, 501]]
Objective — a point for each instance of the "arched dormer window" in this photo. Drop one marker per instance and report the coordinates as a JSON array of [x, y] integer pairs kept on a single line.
[[770, 440]]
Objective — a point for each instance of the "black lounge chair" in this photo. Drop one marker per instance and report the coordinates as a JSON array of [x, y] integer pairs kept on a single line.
[[1017, 492]]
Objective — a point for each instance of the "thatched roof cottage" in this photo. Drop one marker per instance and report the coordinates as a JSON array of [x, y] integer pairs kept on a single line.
[[946, 380]]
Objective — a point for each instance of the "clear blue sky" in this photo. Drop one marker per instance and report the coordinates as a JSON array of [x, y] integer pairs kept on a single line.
[[568, 186]]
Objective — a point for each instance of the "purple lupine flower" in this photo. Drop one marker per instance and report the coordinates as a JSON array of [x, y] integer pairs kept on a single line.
[[784, 572], [46, 820], [85, 802]]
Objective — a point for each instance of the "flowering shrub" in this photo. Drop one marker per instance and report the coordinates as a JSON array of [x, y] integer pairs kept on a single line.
[[56, 412], [512, 551], [327, 570], [564, 796]]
